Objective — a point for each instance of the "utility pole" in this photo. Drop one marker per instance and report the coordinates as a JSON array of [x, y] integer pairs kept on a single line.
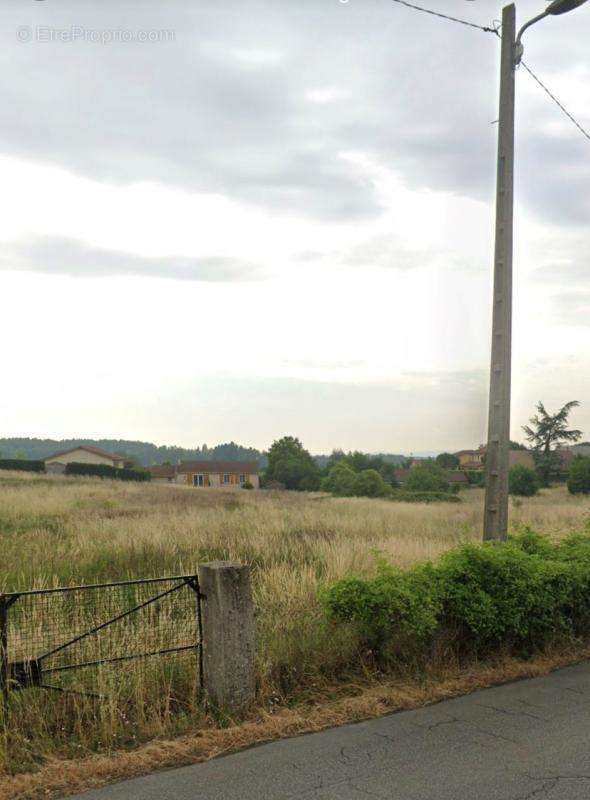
[[498, 447]]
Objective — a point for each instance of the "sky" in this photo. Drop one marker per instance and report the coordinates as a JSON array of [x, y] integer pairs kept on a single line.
[[227, 220]]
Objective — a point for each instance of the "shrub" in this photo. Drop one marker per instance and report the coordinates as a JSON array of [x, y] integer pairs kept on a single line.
[[106, 471], [517, 596], [247, 485], [272, 486], [578, 481], [447, 460], [369, 483], [427, 477], [395, 605], [496, 597], [22, 464], [475, 478], [523, 481], [340, 480], [424, 497]]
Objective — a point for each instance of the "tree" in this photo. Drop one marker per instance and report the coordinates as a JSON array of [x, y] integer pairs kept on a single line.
[[547, 433], [517, 446], [447, 460], [578, 481], [289, 463], [340, 480], [523, 481], [427, 477], [359, 462], [369, 483], [335, 457]]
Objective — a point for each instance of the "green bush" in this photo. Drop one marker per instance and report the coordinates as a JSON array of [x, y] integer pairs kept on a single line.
[[476, 478], [427, 477], [369, 483], [340, 480], [523, 481], [578, 481], [517, 596], [247, 485], [395, 605], [424, 497], [22, 464], [106, 471]]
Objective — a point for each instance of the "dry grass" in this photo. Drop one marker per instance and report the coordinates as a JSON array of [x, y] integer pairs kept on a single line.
[[56, 531], [59, 778]]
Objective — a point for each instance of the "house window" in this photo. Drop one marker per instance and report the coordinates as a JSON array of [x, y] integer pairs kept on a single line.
[[242, 479], [198, 480], [226, 478]]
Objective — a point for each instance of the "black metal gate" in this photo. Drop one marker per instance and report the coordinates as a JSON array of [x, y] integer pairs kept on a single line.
[[48, 634]]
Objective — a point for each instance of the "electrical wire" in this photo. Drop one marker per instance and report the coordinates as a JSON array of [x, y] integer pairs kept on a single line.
[[446, 16], [496, 31], [560, 105]]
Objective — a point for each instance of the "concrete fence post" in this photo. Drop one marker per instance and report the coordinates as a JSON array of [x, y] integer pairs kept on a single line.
[[228, 635]]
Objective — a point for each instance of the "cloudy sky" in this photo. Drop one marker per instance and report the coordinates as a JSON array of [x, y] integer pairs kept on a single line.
[[236, 220]]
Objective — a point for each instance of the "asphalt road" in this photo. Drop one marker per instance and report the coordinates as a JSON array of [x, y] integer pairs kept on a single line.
[[527, 740]]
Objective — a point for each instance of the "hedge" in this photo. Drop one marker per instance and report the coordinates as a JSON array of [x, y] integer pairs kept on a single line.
[[518, 597], [22, 464], [579, 476], [105, 471]]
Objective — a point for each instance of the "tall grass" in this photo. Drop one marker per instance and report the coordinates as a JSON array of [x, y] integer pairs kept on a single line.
[[59, 531]]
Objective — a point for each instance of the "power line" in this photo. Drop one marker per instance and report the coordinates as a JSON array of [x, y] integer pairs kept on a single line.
[[495, 30], [446, 16], [555, 100]]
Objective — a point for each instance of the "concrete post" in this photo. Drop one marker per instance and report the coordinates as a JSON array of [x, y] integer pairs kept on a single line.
[[497, 453], [228, 635]]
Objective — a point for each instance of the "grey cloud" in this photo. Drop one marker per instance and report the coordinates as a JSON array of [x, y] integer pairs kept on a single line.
[[325, 414], [388, 252], [568, 269], [58, 255], [311, 364], [225, 107], [450, 378], [572, 308], [384, 251], [566, 273]]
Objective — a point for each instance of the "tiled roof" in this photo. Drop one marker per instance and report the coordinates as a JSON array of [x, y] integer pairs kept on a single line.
[[162, 471], [457, 477], [242, 467], [89, 449]]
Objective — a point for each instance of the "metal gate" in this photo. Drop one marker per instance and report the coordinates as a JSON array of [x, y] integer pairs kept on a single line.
[[46, 635]]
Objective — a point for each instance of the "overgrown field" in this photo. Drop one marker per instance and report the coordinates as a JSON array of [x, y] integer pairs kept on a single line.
[[59, 531]]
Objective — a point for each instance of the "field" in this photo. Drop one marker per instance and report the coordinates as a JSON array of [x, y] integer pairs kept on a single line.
[[59, 531]]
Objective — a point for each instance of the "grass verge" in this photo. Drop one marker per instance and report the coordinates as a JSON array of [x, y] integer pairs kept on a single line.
[[352, 703]]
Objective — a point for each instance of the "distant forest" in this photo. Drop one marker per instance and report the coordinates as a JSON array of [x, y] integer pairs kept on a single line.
[[145, 453]]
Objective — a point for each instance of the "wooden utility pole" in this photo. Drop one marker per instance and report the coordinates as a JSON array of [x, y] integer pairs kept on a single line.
[[498, 448]]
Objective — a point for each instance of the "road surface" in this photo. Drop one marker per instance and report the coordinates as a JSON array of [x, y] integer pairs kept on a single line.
[[525, 741]]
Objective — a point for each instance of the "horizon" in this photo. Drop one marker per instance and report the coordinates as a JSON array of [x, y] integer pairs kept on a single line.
[[262, 450]]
